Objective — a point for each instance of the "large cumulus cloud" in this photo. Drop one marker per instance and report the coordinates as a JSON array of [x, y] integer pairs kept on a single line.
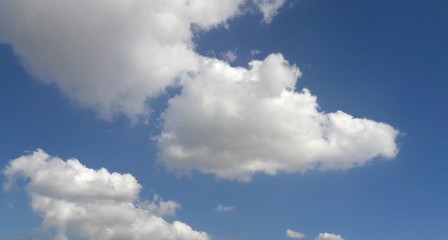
[[113, 56], [235, 122], [93, 204]]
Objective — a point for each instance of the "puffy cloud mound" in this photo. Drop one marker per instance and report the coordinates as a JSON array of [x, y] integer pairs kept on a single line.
[[93, 204], [109, 55], [235, 122], [294, 234], [329, 236]]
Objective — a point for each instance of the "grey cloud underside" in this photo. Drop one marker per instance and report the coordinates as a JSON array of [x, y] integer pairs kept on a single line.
[[232, 122], [93, 204]]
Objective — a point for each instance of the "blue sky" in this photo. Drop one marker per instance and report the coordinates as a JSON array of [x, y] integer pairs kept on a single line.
[[380, 60]]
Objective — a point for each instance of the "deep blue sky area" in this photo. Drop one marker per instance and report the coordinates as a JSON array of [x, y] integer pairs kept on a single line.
[[382, 60]]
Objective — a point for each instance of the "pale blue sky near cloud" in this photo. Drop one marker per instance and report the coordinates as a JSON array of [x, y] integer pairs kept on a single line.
[[381, 60]]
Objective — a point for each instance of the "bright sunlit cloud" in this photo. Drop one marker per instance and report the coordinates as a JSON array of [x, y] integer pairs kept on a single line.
[[236, 122], [93, 204], [232, 122], [115, 57], [231, 113]]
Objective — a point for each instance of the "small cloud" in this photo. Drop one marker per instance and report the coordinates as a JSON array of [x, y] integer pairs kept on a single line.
[[230, 56], [269, 8], [293, 234], [222, 208], [160, 208], [307, 65], [254, 52], [211, 53], [329, 236]]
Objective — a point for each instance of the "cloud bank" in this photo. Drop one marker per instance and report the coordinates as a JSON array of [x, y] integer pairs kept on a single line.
[[235, 122], [93, 204]]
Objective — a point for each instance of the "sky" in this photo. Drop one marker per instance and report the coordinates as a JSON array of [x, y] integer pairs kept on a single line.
[[226, 120]]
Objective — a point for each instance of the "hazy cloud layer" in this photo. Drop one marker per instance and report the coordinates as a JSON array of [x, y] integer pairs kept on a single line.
[[329, 236], [93, 204], [294, 234], [235, 122]]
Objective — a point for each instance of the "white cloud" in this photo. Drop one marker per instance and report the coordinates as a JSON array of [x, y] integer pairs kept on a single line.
[[230, 56], [231, 122], [269, 8], [329, 236], [293, 234], [223, 208], [235, 122], [160, 208], [93, 204], [118, 54], [254, 52]]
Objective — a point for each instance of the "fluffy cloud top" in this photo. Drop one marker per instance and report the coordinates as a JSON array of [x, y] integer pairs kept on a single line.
[[235, 122], [93, 204], [329, 236], [293, 234]]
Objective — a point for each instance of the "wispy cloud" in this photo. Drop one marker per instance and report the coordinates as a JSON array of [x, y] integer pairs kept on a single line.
[[269, 8], [230, 56], [223, 208], [254, 52]]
